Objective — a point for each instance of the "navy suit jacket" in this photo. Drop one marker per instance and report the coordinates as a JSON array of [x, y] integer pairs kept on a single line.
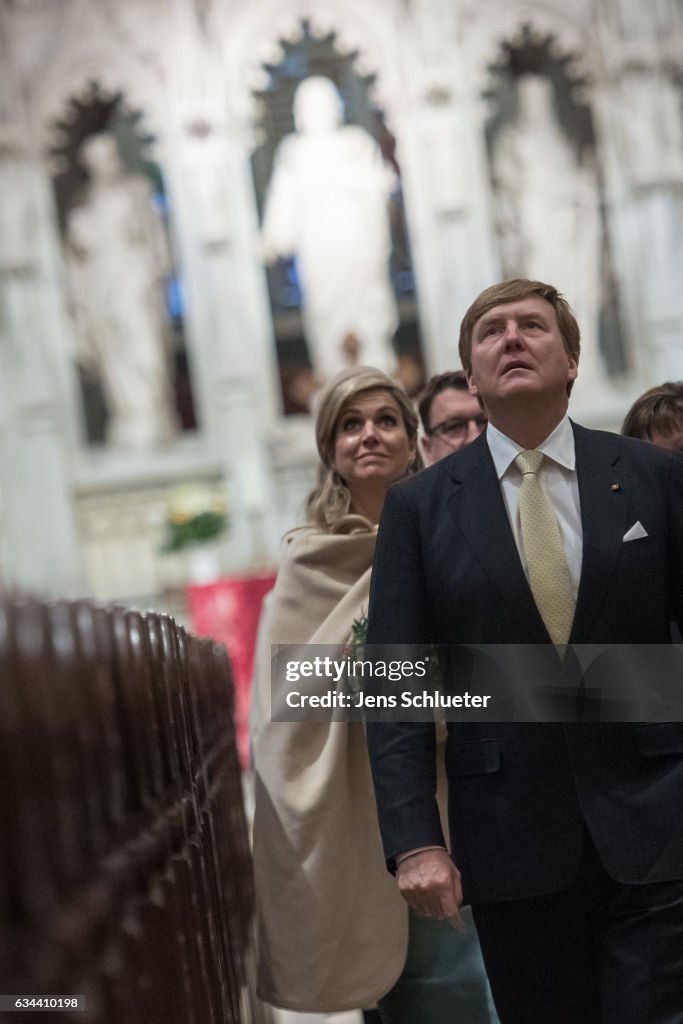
[[447, 571]]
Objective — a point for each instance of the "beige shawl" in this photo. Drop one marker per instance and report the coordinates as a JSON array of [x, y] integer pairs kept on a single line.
[[332, 926]]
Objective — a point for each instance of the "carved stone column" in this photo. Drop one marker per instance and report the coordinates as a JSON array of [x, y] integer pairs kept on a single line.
[[439, 129], [41, 551], [229, 330], [641, 124]]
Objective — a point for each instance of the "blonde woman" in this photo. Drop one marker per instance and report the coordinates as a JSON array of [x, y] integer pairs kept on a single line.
[[333, 931]]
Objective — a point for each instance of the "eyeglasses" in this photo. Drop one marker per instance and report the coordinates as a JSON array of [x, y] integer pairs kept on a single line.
[[453, 429]]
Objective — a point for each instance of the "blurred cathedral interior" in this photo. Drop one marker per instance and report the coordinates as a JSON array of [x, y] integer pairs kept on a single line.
[[209, 206]]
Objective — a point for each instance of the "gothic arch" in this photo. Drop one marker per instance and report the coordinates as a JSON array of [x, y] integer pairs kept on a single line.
[[568, 34], [89, 56], [254, 40]]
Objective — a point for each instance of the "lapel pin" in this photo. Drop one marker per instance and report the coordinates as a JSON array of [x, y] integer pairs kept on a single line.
[[615, 487]]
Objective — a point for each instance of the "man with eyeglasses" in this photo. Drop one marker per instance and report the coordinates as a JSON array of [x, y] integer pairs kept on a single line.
[[451, 417]]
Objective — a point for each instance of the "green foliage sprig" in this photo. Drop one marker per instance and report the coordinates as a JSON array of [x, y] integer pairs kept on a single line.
[[197, 514]]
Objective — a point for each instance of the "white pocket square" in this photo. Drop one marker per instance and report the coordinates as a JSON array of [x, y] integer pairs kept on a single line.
[[635, 533]]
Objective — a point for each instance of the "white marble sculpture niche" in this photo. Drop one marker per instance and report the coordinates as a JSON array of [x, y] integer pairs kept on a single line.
[[118, 262], [118, 266], [547, 209], [328, 207], [335, 239]]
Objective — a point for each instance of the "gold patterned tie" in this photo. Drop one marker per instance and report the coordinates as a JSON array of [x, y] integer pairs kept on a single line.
[[549, 577]]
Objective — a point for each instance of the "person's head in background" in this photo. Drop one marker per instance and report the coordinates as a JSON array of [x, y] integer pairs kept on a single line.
[[366, 433], [657, 416], [451, 417]]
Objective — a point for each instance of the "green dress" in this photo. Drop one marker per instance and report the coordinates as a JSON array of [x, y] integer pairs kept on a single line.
[[443, 981]]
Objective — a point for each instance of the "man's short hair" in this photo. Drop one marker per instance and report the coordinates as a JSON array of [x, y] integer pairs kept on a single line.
[[515, 290], [657, 411], [434, 386]]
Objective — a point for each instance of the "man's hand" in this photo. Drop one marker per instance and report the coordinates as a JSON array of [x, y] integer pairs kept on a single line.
[[430, 883]]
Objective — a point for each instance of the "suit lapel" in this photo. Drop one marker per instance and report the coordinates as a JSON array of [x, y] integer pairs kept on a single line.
[[477, 505], [604, 494]]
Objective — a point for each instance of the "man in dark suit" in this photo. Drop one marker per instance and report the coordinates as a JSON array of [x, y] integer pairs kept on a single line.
[[569, 837]]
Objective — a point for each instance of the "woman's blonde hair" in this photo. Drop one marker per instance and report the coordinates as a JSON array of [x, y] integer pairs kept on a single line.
[[328, 505]]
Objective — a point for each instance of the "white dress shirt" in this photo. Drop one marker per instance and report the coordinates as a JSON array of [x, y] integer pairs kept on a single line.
[[557, 476]]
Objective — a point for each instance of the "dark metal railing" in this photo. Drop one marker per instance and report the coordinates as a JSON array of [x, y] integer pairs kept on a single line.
[[125, 872]]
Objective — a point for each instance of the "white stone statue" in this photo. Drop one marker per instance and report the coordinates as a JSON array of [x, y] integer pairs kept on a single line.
[[327, 205], [117, 260], [547, 207]]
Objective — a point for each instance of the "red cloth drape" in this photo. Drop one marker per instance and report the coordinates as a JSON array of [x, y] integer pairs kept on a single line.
[[228, 611]]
